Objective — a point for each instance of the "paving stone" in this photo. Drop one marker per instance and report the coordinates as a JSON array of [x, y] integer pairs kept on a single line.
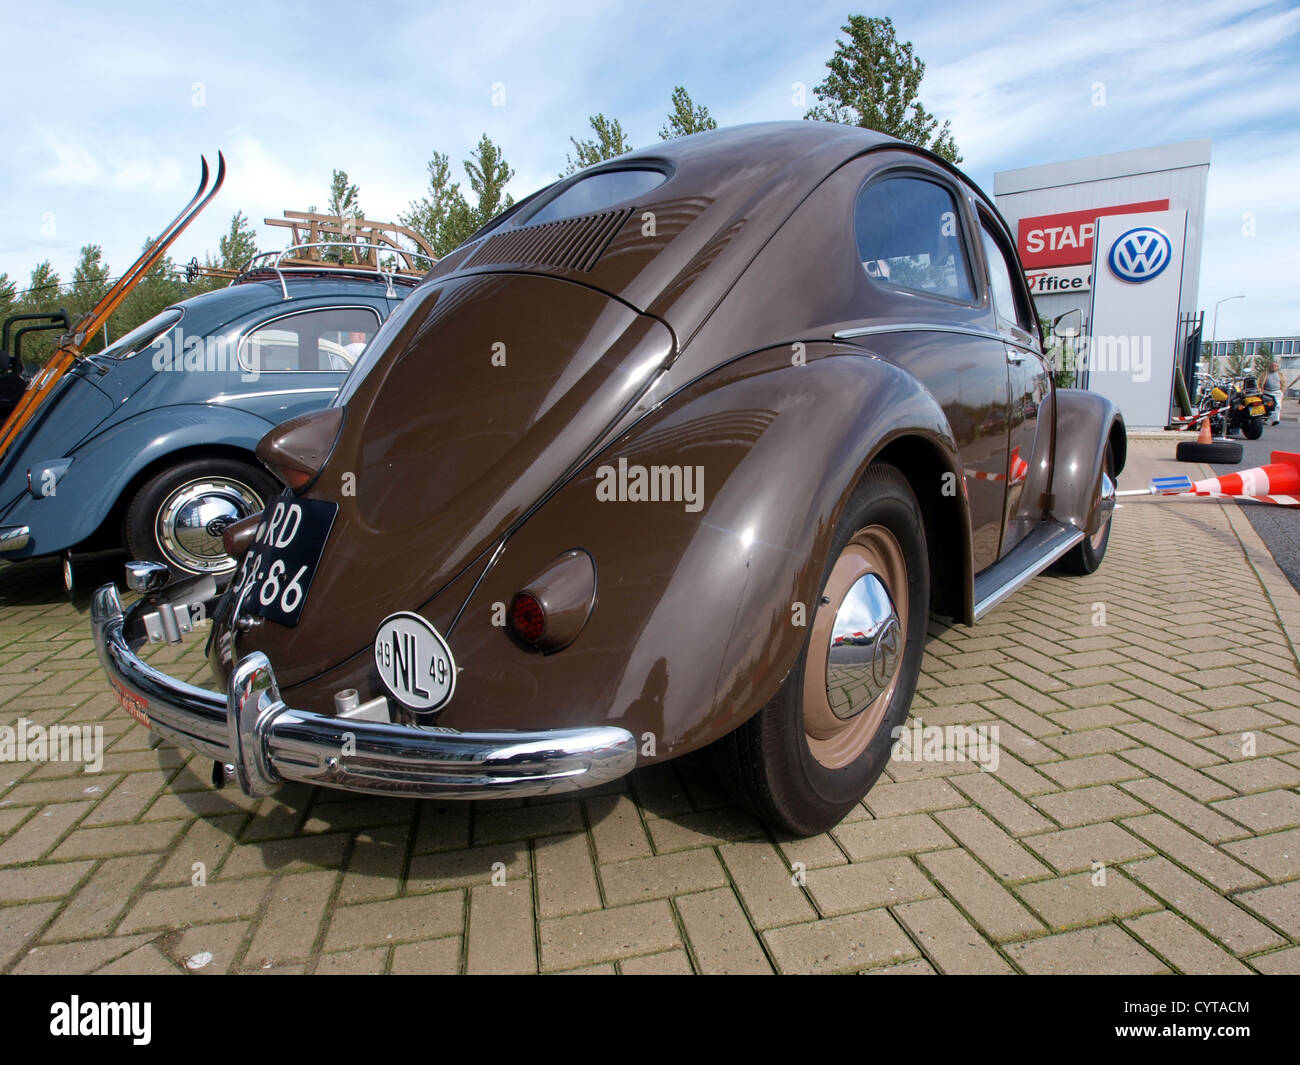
[[566, 877], [1276, 854], [1083, 899], [886, 836], [985, 901], [1073, 849], [1169, 936], [948, 939], [721, 939], [619, 932], [839, 944], [661, 876], [501, 929], [1101, 950], [1207, 909]]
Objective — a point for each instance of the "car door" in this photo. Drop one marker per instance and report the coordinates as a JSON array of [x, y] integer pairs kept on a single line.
[[918, 247], [294, 362], [1029, 387]]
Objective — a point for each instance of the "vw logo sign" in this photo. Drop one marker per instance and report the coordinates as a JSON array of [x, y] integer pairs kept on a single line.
[[1140, 254]]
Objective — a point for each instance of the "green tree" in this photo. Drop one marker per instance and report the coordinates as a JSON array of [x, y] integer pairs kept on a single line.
[[440, 214], [1237, 360], [1263, 362], [344, 203], [609, 142], [157, 290], [685, 118], [874, 82], [89, 283], [444, 216], [44, 295], [8, 296], [237, 246], [489, 174]]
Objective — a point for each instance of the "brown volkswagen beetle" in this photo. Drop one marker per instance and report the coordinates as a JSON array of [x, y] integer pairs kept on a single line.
[[680, 451]]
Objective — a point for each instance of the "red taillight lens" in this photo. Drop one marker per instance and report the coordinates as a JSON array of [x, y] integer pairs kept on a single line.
[[527, 618]]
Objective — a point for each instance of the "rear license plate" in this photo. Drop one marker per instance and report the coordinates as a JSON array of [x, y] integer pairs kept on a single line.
[[1257, 410], [277, 571]]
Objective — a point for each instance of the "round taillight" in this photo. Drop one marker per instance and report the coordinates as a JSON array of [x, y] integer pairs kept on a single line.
[[527, 618]]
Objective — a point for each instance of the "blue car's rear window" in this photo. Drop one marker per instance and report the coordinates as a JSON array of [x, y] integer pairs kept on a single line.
[[143, 335]]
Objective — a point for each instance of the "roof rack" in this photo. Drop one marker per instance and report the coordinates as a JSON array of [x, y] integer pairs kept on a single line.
[[356, 247], [291, 261]]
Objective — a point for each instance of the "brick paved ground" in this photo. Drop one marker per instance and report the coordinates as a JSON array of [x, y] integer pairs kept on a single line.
[[1164, 744]]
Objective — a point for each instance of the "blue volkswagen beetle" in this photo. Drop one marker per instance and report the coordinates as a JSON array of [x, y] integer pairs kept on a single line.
[[149, 444]]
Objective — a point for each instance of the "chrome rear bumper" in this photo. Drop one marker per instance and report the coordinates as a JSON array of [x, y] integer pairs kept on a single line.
[[269, 743]]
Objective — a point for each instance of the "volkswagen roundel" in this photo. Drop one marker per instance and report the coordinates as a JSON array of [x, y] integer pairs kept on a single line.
[[1140, 254]]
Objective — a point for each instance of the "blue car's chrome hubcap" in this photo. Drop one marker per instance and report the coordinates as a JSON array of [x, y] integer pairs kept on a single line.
[[192, 518]]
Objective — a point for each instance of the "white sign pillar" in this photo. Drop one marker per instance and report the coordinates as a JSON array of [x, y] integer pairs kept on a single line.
[[1137, 277]]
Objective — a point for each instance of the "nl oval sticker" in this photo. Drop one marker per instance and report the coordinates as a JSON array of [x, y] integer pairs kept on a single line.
[[414, 662]]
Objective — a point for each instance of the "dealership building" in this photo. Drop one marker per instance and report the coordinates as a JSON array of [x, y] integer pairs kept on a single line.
[[1119, 238]]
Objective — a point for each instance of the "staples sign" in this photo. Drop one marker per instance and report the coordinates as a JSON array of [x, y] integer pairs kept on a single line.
[[1066, 239]]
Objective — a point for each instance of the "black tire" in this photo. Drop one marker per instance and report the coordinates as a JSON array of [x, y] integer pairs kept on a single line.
[[768, 763], [249, 489], [1086, 556], [1222, 452], [1254, 428]]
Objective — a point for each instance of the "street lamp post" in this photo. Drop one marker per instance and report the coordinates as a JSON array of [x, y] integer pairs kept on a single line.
[[1214, 329]]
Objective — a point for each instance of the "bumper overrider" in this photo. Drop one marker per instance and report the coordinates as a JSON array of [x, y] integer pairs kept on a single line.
[[268, 743]]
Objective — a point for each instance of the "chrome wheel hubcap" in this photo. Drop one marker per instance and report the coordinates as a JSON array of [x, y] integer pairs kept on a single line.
[[856, 648], [865, 643], [1105, 507], [192, 518]]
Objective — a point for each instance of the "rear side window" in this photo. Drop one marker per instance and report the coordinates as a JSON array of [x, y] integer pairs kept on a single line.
[[143, 335], [909, 236], [327, 339], [597, 192]]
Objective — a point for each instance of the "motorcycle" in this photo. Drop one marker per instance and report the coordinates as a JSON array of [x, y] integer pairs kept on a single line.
[[1245, 406]]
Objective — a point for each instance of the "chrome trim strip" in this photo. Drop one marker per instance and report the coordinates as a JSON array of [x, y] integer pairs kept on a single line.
[[14, 537], [916, 327], [1031, 569], [224, 398], [270, 743]]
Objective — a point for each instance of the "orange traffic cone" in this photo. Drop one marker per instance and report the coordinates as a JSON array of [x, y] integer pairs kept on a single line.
[[1279, 481], [1205, 436]]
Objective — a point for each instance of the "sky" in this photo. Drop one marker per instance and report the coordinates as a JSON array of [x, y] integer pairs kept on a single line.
[[107, 108]]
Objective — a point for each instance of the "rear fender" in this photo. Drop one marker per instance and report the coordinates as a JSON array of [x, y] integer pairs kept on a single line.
[[703, 603], [103, 468]]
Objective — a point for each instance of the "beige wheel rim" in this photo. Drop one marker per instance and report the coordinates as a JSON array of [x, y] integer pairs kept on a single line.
[[850, 679]]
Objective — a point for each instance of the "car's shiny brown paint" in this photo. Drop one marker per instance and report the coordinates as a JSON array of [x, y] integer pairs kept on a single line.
[[705, 335]]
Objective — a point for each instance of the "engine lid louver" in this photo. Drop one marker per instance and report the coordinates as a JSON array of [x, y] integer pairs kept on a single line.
[[569, 244]]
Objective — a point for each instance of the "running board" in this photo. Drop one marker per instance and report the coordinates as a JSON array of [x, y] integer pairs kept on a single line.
[[1027, 559]]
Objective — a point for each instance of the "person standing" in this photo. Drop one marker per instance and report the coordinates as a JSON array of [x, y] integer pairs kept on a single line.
[[1275, 386]]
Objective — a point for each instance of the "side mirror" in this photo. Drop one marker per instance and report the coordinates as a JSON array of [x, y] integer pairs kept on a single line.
[[1068, 324]]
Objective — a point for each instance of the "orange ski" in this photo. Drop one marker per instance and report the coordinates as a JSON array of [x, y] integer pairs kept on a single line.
[[69, 350]]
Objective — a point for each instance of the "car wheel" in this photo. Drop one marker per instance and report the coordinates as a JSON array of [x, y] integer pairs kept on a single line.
[[1086, 556], [178, 515], [811, 754], [1254, 428], [1224, 452]]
